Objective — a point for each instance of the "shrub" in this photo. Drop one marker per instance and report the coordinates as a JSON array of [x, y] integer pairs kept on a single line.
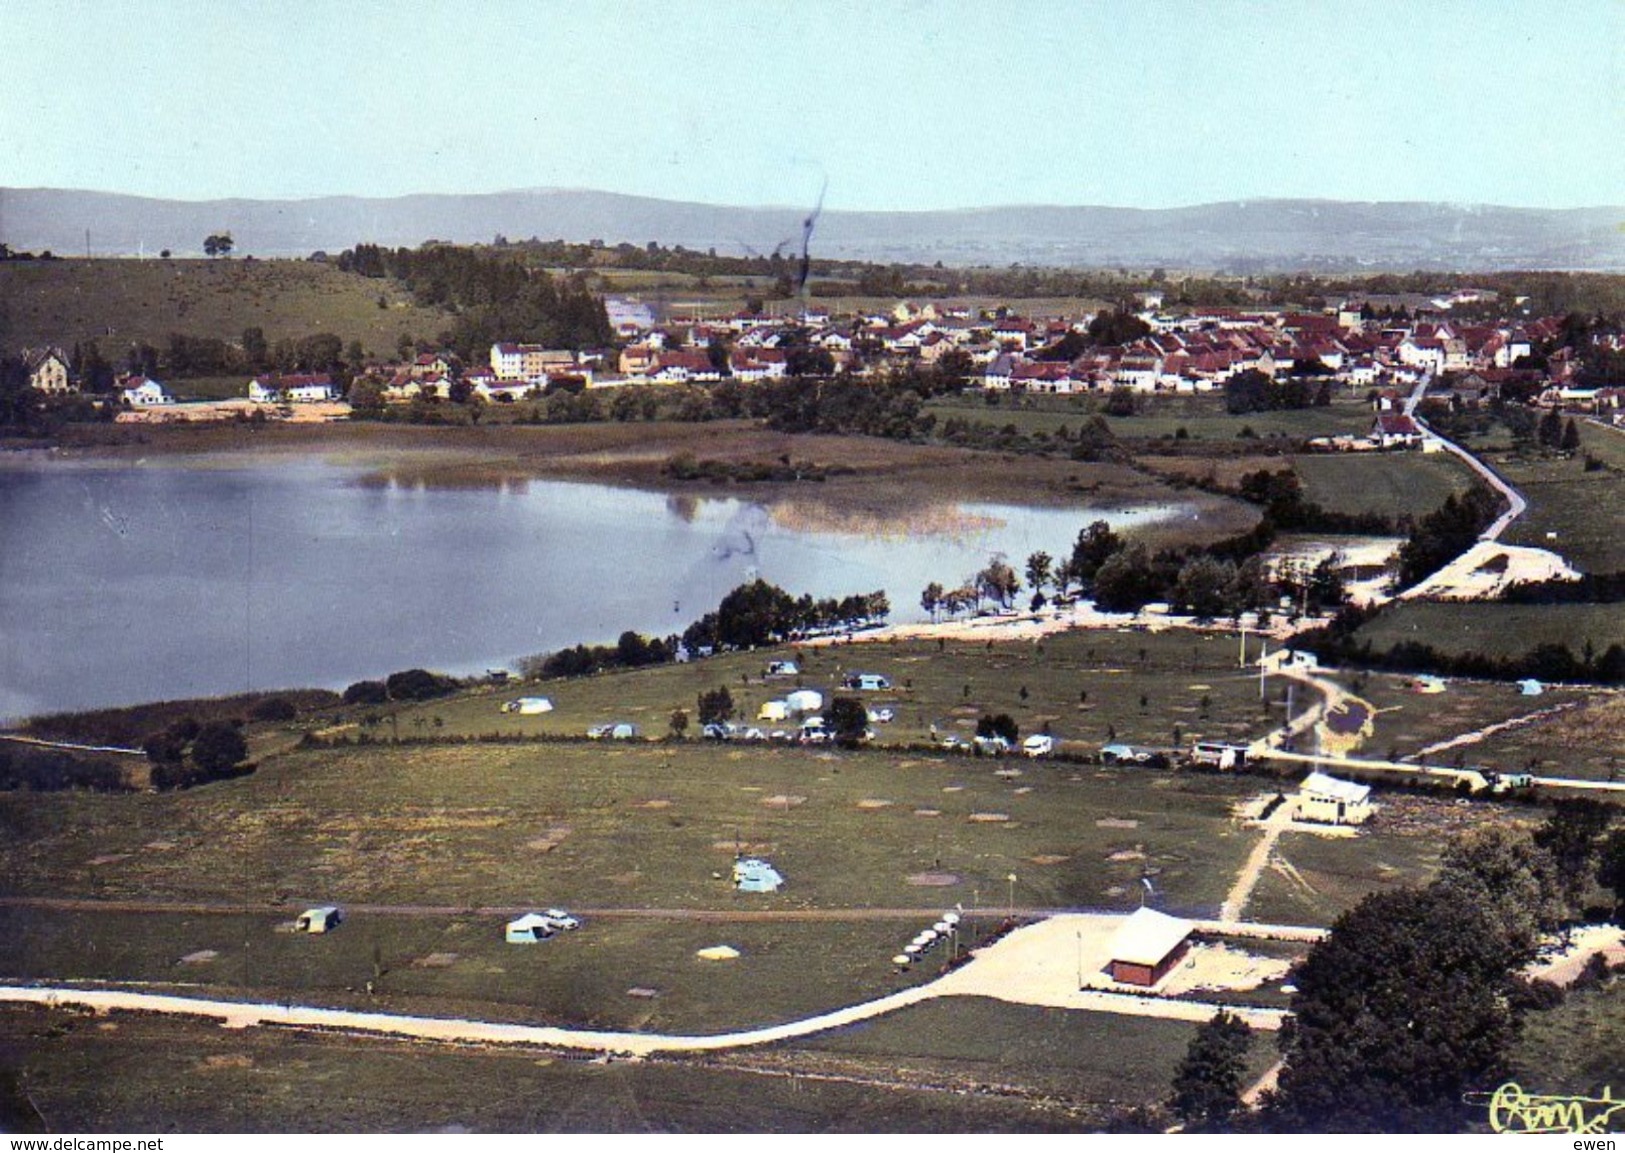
[[366, 693], [274, 709]]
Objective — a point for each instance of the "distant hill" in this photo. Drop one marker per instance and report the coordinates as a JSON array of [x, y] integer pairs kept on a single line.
[[1241, 236]]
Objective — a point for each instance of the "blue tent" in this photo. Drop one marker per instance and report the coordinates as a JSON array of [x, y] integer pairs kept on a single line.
[[1531, 688], [752, 875]]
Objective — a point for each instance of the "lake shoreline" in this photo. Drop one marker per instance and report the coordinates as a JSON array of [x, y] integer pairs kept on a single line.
[[864, 476]]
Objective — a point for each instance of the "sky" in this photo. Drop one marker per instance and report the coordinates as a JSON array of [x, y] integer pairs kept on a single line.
[[902, 105]]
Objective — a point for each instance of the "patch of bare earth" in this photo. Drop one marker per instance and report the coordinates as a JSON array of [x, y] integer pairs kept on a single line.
[[933, 880]]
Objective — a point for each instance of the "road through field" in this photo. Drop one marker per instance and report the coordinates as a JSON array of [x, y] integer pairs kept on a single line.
[[1034, 965]]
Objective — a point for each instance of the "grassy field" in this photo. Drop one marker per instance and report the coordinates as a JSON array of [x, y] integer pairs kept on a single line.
[[1584, 742], [117, 302], [1202, 417], [131, 1073], [1393, 484], [209, 387], [459, 965], [1578, 1047], [1086, 687], [1408, 721], [1312, 879], [1500, 630], [1102, 1058], [632, 827], [1576, 513], [1205, 418]]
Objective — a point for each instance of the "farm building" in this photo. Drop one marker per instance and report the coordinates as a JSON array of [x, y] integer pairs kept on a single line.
[[1149, 944], [1330, 801], [322, 919], [529, 929], [753, 875]]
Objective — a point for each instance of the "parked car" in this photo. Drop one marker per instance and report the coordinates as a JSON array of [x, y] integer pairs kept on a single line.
[[1038, 745], [561, 920], [994, 746], [715, 732]]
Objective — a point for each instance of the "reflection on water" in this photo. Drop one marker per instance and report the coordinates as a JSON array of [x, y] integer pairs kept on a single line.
[[125, 583]]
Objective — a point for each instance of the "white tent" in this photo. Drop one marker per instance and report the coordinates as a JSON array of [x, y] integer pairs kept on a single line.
[[322, 919], [529, 929], [805, 701]]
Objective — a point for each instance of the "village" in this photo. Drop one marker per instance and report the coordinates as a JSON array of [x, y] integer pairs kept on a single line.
[[1368, 348]]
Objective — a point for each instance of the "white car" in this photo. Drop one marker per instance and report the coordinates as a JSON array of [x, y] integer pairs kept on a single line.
[[560, 919], [1038, 745]]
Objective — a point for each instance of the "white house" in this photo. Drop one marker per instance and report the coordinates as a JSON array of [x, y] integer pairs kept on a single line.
[[48, 372], [140, 392], [1329, 801]]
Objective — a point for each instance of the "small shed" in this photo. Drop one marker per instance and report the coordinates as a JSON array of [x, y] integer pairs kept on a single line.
[[323, 919], [754, 875], [1149, 944], [529, 929], [1330, 801], [805, 701], [1531, 688], [773, 711]]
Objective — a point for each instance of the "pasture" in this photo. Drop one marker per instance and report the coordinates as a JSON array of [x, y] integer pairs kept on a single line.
[[119, 302]]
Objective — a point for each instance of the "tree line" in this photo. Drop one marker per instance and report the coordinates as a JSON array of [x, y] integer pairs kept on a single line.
[[491, 297], [1406, 1014]]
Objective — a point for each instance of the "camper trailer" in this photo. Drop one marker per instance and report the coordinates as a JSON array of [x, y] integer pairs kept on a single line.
[[1218, 754], [867, 682]]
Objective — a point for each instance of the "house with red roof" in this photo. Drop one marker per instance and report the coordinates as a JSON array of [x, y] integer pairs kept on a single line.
[[1395, 430]]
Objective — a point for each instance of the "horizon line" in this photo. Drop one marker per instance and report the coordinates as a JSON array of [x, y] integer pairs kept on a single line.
[[543, 190]]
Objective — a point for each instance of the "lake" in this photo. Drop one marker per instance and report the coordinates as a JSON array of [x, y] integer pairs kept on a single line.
[[125, 583]]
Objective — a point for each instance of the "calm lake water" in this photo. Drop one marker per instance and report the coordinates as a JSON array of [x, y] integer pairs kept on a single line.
[[126, 583]]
